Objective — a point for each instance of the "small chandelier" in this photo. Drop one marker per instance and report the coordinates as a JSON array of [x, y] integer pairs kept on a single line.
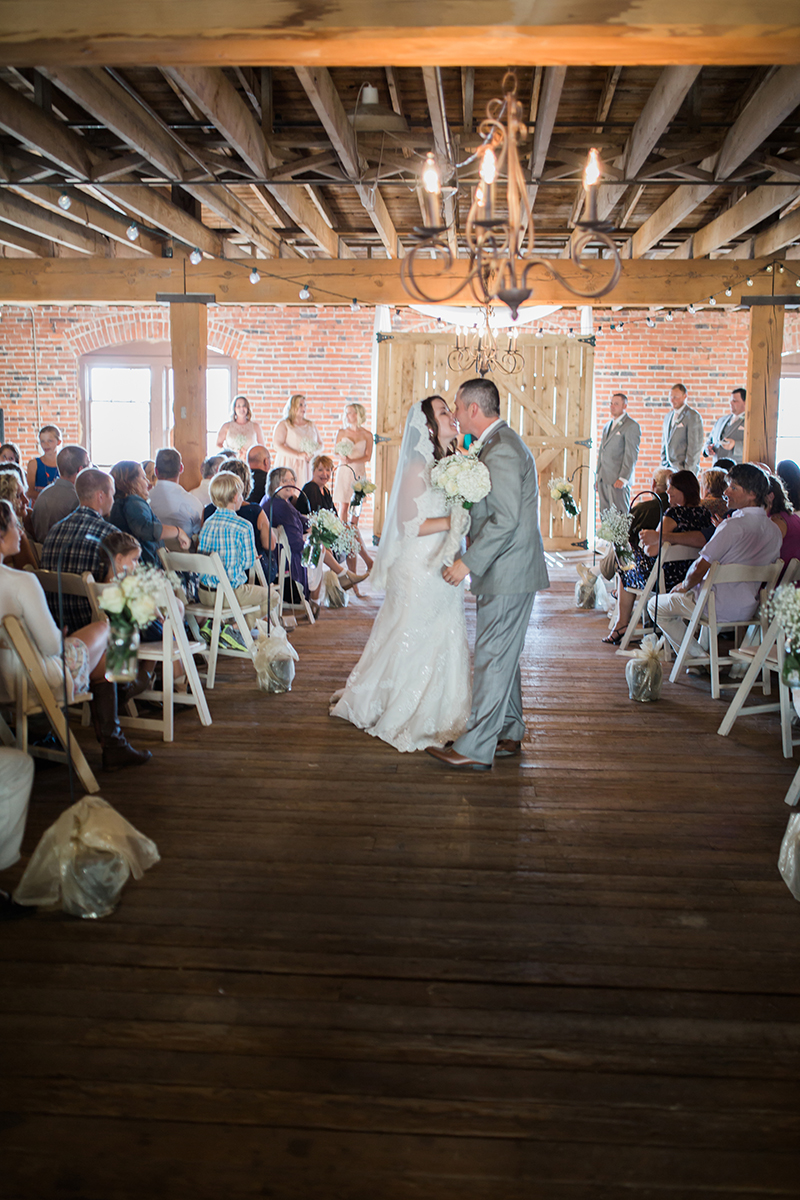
[[499, 260], [477, 350]]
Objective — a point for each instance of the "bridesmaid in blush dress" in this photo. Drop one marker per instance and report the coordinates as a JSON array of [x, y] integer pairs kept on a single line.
[[296, 440]]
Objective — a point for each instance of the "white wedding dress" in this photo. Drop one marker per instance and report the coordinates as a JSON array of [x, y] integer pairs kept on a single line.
[[411, 687]]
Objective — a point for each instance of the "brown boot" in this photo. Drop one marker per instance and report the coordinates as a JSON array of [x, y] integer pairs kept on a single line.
[[143, 682], [117, 752]]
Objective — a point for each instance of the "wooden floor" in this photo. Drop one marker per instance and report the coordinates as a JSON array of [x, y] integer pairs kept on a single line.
[[357, 975]]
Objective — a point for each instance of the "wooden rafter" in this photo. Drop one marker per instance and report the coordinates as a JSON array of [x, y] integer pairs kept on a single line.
[[549, 98], [441, 139]]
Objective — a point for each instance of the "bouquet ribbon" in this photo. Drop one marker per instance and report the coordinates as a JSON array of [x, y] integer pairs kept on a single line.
[[650, 650]]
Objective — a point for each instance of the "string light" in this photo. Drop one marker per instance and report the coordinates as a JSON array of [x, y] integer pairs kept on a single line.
[[620, 326], [749, 281], [132, 232], [669, 315], [305, 292], [570, 332], [64, 202], [356, 307], [254, 276], [692, 309], [712, 299], [195, 257], [728, 290]]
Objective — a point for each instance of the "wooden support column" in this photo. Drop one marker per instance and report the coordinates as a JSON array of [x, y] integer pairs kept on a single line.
[[189, 337], [763, 383]]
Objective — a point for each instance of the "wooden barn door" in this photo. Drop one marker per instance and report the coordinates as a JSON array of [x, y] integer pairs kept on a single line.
[[548, 402]]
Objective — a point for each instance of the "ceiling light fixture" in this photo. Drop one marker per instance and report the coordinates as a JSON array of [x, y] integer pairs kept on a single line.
[[369, 115], [500, 262], [477, 349], [195, 257]]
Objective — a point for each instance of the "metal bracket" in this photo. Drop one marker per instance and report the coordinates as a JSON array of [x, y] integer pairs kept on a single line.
[[384, 337], [584, 545], [587, 442], [377, 438], [591, 340]]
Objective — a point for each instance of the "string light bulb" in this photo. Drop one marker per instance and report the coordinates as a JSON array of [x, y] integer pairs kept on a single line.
[[712, 299], [64, 202], [728, 290], [195, 257], [356, 307], [780, 268], [305, 292], [570, 332], [254, 276], [669, 315], [749, 281], [540, 333], [692, 310], [132, 232], [650, 322]]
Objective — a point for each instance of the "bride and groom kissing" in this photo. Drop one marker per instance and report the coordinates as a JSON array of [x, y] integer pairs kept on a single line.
[[411, 686]]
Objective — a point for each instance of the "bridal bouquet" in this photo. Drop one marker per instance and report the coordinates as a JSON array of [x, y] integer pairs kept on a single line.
[[465, 480], [327, 532], [131, 603], [615, 527], [561, 489], [784, 603], [310, 446], [361, 489], [344, 448]]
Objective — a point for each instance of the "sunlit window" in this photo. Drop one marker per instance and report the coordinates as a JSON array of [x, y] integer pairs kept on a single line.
[[789, 420]]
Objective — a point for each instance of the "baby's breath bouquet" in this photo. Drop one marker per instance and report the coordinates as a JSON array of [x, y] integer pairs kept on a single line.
[[130, 603], [784, 603], [615, 527], [326, 531], [361, 489], [344, 448], [310, 446], [561, 489]]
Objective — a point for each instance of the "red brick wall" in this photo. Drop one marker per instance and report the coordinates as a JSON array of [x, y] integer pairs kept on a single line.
[[326, 353]]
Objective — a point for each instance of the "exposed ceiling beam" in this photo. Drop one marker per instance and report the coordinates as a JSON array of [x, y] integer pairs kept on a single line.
[[607, 96], [22, 239], [467, 97], [321, 91], [15, 210], [43, 133], [431, 77], [358, 32], [549, 97], [783, 233], [152, 206], [736, 220], [92, 215]]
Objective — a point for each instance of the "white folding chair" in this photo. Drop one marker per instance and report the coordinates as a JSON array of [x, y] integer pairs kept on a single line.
[[705, 616], [284, 574], [32, 676], [669, 553], [226, 607], [762, 660], [174, 647]]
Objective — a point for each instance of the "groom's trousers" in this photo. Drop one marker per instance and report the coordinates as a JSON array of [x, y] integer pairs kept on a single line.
[[496, 679]]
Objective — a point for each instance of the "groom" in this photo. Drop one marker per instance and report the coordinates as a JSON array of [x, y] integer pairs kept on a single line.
[[506, 561]]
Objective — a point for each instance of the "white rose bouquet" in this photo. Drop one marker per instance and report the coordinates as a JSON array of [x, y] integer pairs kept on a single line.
[[344, 448], [561, 489], [464, 480], [327, 531], [131, 603], [361, 489], [615, 527]]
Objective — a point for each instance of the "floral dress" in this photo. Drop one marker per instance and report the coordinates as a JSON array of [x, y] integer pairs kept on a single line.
[[688, 519]]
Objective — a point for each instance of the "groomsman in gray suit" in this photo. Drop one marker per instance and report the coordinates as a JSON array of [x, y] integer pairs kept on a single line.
[[726, 439], [506, 561], [682, 436], [616, 459]]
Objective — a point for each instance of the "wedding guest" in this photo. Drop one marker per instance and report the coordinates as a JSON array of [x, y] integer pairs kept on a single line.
[[16, 782], [646, 514], [296, 440], [44, 470], [149, 468], [133, 514], [232, 538], [789, 472], [252, 513], [171, 503], [12, 489], [685, 512], [316, 495], [259, 462], [780, 513], [208, 470], [712, 489], [59, 499], [75, 544], [352, 466], [10, 452], [22, 596], [240, 431], [682, 434]]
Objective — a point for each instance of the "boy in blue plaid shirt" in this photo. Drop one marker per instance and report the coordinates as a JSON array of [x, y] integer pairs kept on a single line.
[[232, 538]]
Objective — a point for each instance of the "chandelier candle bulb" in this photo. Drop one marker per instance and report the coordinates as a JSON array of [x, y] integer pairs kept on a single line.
[[488, 177], [591, 176], [431, 192]]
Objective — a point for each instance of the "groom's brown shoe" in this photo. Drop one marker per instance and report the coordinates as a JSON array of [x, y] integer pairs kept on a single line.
[[457, 762], [507, 748]]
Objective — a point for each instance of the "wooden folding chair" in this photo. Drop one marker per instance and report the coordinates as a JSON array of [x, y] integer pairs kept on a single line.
[[71, 585], [174, 647], [705, 616], [284, 574], [32, 676], [669, 553], [226, 607], [762, 660]]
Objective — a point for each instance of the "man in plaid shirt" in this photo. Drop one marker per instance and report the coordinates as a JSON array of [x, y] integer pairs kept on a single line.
[[232, 538], [95, 492]]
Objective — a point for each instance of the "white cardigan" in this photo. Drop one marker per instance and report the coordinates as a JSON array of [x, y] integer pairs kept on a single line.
[[21, 595]]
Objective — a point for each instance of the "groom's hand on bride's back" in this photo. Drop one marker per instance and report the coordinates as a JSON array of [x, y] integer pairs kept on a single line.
[[456, 573]]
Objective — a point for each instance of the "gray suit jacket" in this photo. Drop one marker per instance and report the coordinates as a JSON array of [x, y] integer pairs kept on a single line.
[[506, 555], [682, 440], [735, 430], [619, 450]]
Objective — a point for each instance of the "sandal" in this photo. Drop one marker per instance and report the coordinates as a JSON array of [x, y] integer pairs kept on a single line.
[[614, 638]]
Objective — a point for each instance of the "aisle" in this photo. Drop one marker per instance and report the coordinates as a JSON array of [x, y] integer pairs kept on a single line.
[[357, 975]]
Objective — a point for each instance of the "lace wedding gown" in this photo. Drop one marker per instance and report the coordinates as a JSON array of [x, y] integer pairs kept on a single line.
[[411, 687]]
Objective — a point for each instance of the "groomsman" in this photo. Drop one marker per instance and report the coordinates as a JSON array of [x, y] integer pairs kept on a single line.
[[682, 435], [726, 439], [616, 459]]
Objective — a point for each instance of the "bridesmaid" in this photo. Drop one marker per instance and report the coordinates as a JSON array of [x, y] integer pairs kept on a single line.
[[296, 439], [241, 432], [354, 417]]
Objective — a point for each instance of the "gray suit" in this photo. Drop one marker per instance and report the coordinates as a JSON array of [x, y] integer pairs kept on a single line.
[[506, 562], [682, 439], [616, 459], [730, 426]]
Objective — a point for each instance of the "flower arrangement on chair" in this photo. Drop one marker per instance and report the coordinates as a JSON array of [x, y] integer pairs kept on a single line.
[[561, 489], [326, 531], [784, 604], [131, 603], [615, 527]]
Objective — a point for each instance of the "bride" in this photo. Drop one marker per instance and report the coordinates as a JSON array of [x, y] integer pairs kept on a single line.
[[411, 686]]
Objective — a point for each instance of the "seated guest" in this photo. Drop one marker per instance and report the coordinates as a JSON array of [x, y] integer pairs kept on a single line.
[[131, 512], [780, 513], [21, 595], [789, 472], [646, 514], [264, 537], [208, 470], [684, 513], [748, 537], [232, 538], [316, 495], [259, 462], [16, 781], [59, 499], [75, 544], [10, 452], [149, 468], [171, 503], [12, 489], [712, 491], [44, 470]]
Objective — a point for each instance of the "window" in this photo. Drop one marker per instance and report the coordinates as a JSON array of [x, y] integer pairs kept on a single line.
[[789, 419], [219, 393]]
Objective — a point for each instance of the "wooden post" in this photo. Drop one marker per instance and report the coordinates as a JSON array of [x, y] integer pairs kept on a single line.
[[189, 337], [763, 383]]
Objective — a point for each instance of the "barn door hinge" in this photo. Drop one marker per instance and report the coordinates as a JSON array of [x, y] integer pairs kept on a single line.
[[376, 437], [384, 337], [587, 442], [591, 340], [583, 545]]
